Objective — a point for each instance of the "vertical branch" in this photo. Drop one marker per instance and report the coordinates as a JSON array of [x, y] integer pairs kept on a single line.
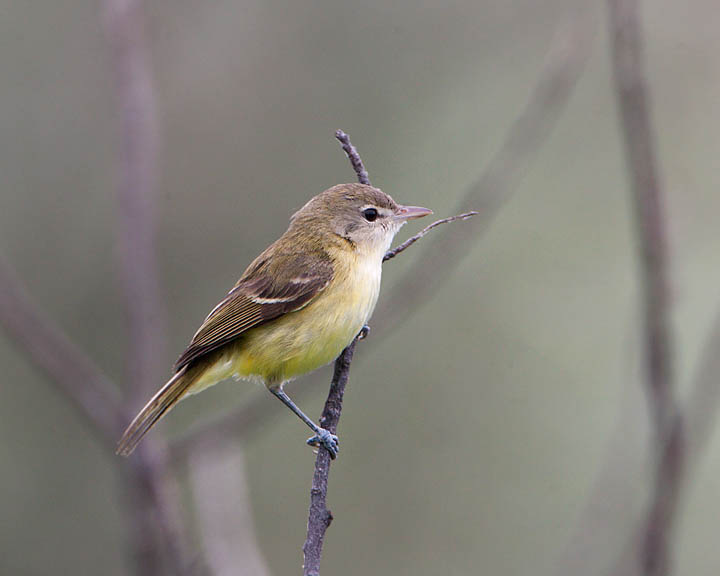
[[139, 143], [632, 94], [224, 511], [694, 426], [319, 516], [152, 500]]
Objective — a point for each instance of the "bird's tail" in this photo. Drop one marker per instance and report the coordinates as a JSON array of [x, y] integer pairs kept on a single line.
[[164, 400]]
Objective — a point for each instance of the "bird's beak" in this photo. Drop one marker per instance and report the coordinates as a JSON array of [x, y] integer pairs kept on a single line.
[[405, 213]]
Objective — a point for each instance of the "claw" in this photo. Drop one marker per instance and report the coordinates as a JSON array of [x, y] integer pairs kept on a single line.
[[329, 441]]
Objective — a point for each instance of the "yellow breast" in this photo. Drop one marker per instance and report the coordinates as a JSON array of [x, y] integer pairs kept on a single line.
[[304, 340]]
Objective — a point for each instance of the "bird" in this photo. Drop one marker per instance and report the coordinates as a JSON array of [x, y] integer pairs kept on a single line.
[[294, 309]]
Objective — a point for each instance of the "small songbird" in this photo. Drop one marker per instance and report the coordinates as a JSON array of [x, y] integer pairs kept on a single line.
[[295, 308]]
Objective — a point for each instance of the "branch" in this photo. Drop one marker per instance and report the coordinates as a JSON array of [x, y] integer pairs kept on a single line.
[[354, 157], [319, 516], [224, 512], [152, 496], [666, 420], [136, 208], [694, 425], [563, 67], [94, 395]]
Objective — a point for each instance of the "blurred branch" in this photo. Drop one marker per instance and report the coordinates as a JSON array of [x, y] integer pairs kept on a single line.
[[609, 513], [666, 420], [319, 516], [698, 416], [224, 512], [564, 64], [68, 367], [135, 198], [153, 500]]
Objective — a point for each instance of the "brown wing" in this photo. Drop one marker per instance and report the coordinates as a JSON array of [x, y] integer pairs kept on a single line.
[[262, 294]]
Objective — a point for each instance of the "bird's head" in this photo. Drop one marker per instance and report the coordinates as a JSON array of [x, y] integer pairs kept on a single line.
[[364, 216]]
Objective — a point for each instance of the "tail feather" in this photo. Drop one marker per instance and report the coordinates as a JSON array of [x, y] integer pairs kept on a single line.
[[155, 409]]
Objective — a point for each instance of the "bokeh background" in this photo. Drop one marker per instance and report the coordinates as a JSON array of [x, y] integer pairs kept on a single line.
[[476, 434]]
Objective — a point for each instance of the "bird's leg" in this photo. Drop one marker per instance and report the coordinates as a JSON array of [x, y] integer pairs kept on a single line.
[[322, 436]]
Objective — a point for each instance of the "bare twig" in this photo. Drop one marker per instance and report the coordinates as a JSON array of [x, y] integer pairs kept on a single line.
[[390, 254], [319, 516], [666, 420], [352, 154], [83, 382]]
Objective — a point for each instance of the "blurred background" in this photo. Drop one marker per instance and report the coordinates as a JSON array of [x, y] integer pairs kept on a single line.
[[501, 427]]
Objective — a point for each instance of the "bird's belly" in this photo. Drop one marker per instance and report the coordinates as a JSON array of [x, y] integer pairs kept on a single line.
[[304, 340]]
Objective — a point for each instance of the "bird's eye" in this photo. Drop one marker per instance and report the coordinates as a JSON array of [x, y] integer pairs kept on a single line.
[[370, 214]]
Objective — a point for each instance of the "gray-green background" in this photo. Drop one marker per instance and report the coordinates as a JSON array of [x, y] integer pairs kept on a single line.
[[473, 435]]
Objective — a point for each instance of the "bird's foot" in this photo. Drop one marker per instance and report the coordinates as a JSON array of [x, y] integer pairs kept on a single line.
[[364, 331], [329, 441]]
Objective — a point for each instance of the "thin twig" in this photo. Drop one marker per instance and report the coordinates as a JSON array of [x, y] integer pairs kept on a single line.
[[666, 420], [352, 154], [390, 254], [319, 517]]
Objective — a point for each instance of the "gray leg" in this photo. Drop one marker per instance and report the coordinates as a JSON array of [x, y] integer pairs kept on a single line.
[[322, 436]]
